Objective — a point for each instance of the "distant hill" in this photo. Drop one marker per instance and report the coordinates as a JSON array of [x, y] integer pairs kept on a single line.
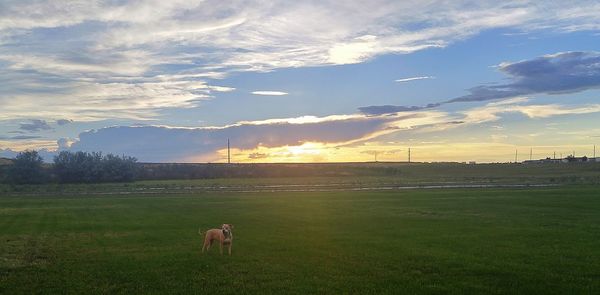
[[5, 161]]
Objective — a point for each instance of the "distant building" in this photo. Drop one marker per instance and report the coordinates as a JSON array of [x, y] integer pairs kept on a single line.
[[472, 162], [569, 159], [543, 161], [573, 159]]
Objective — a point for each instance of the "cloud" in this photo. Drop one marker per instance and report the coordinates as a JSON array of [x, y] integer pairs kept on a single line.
[[492, 111], [221, 88], [510, 101], [255, 156], [270, 93], [138, 100], [165, 144], [389, 109], [99, 61], [35, 125], [19, 137], [404, 80], [62, 122], [305, 138], [64, 143], [354, 51], [22, 137], [560, 73]]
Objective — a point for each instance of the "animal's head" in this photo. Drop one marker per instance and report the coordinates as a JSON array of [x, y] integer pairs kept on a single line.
[[226, 227]]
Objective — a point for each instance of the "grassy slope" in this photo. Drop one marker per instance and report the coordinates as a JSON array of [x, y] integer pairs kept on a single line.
[[544, 241]]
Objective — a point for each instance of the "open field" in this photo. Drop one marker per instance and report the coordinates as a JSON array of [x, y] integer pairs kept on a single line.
[[244, 177], [431, 241], [327, 177]]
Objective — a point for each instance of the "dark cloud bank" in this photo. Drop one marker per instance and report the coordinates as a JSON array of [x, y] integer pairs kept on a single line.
[[566, 72], [166, 144], [163, 144]]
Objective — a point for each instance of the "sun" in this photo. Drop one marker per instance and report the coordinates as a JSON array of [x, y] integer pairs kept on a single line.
[[308, 148]]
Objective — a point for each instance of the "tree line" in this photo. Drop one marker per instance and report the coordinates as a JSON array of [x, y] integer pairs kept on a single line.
[[84, 167], [28, 167]]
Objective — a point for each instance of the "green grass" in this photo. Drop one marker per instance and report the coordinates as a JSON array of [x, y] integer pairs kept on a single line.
[[350, 175], [440, 241]]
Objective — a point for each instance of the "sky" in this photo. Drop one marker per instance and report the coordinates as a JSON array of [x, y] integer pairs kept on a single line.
[[301, 81]]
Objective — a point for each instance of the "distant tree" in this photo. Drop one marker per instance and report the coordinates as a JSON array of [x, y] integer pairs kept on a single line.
[[70, 167], [26, 168], [93, 167], [118, 169]]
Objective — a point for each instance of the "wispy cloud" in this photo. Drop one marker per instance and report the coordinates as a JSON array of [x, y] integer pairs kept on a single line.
[[111, 99], [389, 109], [20, 137], [414, 79], [105, 56], [269, 93], [492, 112]]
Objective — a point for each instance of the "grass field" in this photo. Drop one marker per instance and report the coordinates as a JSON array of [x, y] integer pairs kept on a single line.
[[437, 241], [334, 176]]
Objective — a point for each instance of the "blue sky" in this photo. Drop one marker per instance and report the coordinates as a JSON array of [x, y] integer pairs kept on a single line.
[[311, 81]]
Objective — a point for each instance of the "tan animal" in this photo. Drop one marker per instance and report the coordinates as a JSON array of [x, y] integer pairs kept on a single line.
[[223, 235]]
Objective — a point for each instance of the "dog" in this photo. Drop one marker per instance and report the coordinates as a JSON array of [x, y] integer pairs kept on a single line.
[[223, 235]]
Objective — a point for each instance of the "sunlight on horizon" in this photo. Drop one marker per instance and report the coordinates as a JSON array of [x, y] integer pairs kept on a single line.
[[313, 152]]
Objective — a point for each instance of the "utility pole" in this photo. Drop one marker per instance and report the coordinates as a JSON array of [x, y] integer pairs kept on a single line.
[[516, 154], [409, 155], [554, 155], [594, 151], [530, 154], [228, 153]]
